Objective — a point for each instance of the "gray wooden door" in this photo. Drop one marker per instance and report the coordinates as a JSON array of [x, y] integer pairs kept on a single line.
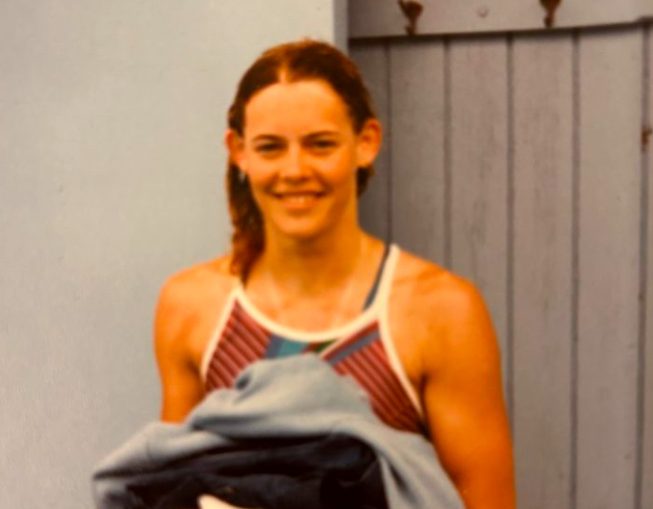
[[521, 161]]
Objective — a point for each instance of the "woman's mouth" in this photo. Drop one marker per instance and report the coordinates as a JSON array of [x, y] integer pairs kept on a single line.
[[298, 200]]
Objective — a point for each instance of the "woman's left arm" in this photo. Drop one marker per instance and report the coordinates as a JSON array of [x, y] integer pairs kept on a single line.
[[463, 398]]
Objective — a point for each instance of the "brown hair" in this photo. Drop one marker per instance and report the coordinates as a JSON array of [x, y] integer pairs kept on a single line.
[[295, 61]]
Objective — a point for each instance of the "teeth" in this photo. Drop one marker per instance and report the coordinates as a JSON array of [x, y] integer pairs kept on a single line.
[[299, 198]]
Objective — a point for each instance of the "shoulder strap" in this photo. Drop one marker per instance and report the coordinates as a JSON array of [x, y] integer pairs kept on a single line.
[[380, 276]]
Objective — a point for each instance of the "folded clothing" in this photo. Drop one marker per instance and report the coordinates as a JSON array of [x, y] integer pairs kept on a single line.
[[333, 472], [292, 402]]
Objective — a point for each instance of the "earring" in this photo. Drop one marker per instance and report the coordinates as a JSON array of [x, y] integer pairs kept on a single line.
[[242, 176]]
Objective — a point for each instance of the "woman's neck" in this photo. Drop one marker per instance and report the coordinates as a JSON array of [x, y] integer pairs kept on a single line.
[[308, 267]]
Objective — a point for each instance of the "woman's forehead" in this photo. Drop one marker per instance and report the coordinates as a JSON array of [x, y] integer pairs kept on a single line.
[[298, 105]]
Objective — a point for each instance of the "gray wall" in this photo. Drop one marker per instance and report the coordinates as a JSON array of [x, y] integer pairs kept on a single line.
[[111, 169], [518, 161]]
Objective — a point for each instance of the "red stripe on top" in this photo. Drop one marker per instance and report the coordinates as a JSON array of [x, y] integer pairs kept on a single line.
[[391, 382], [388, 398], [376, 377], [244, 341], [259, 333], [381, 406]]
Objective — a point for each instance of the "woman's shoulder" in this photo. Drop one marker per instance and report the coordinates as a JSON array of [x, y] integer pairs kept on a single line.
[[196, 283], [429, 281], [190, 299], [433, 295], [439, 318]]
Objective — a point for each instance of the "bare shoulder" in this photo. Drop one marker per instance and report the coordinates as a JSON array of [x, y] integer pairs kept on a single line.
[[436, 313], [189, 303], [190, 287], [437, 294]]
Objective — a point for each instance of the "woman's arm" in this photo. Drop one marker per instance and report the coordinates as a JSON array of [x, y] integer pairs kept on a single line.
[[463, 398], [181, 385]]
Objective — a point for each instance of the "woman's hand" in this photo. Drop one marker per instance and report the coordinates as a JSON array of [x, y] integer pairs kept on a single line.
[[210, 502]]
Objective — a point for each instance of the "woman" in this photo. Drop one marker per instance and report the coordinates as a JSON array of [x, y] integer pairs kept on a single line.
[[302, 275]]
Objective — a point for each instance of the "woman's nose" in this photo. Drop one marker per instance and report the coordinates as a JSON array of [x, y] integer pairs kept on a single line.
[[296, 164]]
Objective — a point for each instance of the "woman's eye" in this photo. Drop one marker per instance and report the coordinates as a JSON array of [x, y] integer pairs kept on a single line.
[[267, 148], [323, 144]]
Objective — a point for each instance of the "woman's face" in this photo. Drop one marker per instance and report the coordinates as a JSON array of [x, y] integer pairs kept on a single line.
[[300, 153]]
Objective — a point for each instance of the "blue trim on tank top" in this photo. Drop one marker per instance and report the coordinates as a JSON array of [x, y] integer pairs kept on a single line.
[[283, 347], [356, 345], [377, 280]]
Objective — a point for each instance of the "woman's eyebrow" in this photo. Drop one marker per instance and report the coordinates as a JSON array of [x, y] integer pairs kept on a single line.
[[274, 137], [318, 134], [266, 137]]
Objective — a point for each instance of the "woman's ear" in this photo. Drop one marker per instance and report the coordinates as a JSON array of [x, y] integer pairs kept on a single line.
[[235, 146], [369, 142]]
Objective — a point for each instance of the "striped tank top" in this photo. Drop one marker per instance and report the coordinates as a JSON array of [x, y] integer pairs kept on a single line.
[[361, 349]]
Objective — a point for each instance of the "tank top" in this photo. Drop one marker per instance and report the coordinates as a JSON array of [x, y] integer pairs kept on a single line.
[[361, 349]]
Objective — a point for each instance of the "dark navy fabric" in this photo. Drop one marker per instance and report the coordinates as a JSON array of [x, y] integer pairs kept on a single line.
[[333, 472]]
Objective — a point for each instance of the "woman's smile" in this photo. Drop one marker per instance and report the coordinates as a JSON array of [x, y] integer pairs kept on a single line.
[[299, 201]]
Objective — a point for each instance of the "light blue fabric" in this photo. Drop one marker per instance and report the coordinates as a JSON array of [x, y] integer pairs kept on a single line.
[[291, 397]]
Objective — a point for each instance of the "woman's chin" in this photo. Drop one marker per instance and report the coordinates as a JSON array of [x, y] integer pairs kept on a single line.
[[301, 230]]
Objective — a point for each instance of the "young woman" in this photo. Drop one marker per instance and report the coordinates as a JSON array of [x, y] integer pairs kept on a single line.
[[303, 276]]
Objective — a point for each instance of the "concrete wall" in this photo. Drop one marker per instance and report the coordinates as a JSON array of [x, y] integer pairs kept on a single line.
[[111, 170]]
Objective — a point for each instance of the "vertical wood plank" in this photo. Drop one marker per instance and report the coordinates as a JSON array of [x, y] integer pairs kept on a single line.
[[375, 207], [647, 425], [609, 153], [543, 95], [417, 156], [479, 170], [610, 113]]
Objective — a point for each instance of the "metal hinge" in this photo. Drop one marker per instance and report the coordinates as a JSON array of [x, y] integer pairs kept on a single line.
[[412, 9], [550, 6]]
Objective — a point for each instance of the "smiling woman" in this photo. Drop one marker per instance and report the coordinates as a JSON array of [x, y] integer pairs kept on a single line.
[[303, 277], [298, 157]]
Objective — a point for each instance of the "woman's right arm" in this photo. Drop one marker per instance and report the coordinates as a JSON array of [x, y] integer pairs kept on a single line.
[[181, 384], [176, 322]]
